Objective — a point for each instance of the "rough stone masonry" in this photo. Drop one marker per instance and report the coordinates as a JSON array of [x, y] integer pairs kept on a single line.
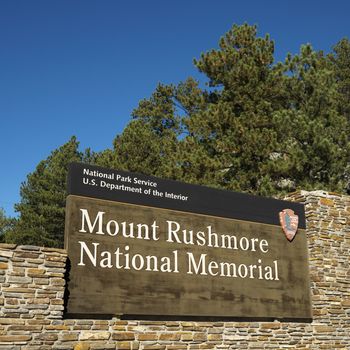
[[32, 287]]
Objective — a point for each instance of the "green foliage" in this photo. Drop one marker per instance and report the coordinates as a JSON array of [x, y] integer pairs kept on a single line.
[[43, 195], [314, 141], [341, 61], [149, 144], [6, 224], [238, 117], [260, 127]]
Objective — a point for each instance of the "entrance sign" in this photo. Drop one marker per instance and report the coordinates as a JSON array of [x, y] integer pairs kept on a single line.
[[140, 245]]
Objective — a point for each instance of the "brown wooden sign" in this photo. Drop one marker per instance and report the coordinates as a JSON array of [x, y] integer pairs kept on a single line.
[[133, 259]]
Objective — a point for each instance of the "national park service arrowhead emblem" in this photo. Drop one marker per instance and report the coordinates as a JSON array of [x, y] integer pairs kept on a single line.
[[289, 222]]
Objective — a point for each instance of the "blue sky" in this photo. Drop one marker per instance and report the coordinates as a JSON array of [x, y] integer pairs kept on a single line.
[[79, 67]]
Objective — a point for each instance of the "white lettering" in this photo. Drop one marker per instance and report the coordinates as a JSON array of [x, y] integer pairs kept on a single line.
[[116, 228], [98, 220], [192, 263], [92, 257], [173, 232], [264, 243]]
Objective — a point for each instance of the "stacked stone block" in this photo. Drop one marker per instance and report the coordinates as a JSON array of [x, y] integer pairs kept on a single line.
[[32, 286], [31, 291]]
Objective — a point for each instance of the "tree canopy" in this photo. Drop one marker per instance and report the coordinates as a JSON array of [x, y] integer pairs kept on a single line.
[[255, 126], [43, 196], [259, 126], [6, 224]]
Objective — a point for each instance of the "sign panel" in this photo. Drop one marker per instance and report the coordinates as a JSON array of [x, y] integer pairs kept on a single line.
[[139, 245]]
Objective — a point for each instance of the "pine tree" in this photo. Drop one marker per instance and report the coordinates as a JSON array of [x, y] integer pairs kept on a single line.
[[150, 142], [341, 61], [340, 58], [43, 196], [313, 133], [260, 127], [235, 131], [6, 224]]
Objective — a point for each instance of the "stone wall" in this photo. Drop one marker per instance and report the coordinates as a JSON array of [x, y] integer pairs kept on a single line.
[[32, 292]]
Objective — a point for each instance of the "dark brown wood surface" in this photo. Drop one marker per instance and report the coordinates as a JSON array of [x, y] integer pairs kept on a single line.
[[112, 291]]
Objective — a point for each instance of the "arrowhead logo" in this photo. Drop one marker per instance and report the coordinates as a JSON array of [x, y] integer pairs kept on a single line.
[[289, 222]]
